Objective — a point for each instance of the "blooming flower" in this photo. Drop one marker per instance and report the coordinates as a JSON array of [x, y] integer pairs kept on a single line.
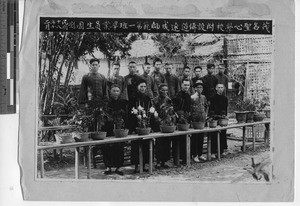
[[140, 108], [144, 115], [139, 116], [155, 114], [152, 110], [134, 111]]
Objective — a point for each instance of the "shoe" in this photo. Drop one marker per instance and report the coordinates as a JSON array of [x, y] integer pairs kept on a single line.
[[202, 158], [196, 159], [213, 156], [108, 172], [119, 172]]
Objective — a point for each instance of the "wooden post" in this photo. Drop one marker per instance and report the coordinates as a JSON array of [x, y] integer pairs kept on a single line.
[[218, 141], [208, 147], [177, 151], [76, 163], [253, 136], [150, 156], [42, 163], [141, 156], [89, 162], [244, 139], [267, 134], [188, 150], [60, 154]]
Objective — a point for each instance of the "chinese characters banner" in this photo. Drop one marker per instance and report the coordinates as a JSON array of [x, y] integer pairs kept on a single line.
[[156, 25]]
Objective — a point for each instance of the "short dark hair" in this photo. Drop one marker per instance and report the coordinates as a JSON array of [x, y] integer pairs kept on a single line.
[[162, 85], [156, 60], [186, 67], [132, 62], [116, 63], [140, 81], [197, 67], [210, 65], [94, 60], [185, 80], [146, 64], [168, 64]]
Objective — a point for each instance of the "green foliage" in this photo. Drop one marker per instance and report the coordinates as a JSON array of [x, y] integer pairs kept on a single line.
[[183, 117]]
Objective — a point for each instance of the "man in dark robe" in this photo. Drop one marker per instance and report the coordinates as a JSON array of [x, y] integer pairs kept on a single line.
[[152, 89], [113, 154], [172, 81], [218, 106], [158, 77], [222, 78], [210, 83], [116, 78], [186, 74], [162, 145], [182, 103], [131, 79], [143, 100]]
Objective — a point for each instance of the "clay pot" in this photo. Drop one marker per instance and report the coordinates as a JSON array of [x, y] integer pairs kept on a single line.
[[64, 138], [98, 135], [259, 117], [223, 122], [143, 131], [183, 127], [121, 133], [198, 125], [167, 129], [82, 137], [213, 123], [250, 116], [241, 117]]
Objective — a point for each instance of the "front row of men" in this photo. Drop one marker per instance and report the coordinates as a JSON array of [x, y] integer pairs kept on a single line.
[[93, 87]]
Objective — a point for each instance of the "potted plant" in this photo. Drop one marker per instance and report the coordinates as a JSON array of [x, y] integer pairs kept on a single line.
[[223, 119], [241, 114], [259, 115], [61, 137], [167, 118], [143, 116], [119, 124], [198, 117], [212, 121], [183, 120], [250, 108]]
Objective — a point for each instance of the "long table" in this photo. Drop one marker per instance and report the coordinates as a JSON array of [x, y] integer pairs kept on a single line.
[[150, 138]]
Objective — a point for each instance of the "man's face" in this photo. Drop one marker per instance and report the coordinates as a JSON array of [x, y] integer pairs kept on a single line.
[[94, 67], [221, 69], [186, 72], [132, 68], [142, 87], [198, 72], [116, 70], [185, 86], [115, 92], [220, 88], [147, 69], [199, 89], [210, 70], [157, 66], [163, 91], [168, 69]]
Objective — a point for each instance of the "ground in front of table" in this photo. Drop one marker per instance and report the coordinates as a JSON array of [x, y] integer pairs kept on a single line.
[[235, 167]]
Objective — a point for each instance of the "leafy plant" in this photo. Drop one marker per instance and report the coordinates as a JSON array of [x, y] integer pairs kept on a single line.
[[198, 114], [183, 117], [167, 115], [118, 119]]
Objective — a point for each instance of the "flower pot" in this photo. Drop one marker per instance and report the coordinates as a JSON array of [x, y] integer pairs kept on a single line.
[[258, 117], [167, 129], [121, 133], [241, 117], [250, 116], [143, 131], [268, 113], [183, 127], [223, 122], [198, 125], [64, 138], [82, 137], [98, 135], [213, 123]]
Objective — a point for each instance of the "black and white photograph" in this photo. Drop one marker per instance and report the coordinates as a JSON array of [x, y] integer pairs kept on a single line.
[[155, 99]]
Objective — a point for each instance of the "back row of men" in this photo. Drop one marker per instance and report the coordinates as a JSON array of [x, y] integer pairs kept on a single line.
[[95, 86]]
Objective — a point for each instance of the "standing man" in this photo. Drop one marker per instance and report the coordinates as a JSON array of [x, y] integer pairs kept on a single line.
[[93, 85], [158, 77], [218, 106], [182, 102], [186, 75], [172, 81], [131, 79], [152, 90], [210, 83], [198, 72], [117, 79], [223, 78]]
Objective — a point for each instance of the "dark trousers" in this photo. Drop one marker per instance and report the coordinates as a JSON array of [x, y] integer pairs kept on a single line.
[[135, 151], [162, 149], [214, 142], [113, 155], [197, 144]]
